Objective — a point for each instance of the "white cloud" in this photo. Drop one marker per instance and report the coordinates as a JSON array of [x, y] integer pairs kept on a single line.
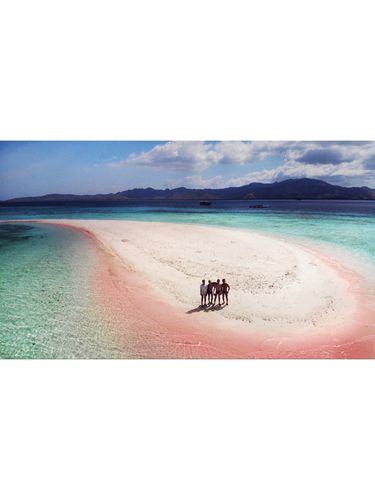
[[199, 155], [350, 160], [178, 155], [345, 174]]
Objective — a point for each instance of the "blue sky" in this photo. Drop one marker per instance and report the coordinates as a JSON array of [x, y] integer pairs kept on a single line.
[[80, 167]]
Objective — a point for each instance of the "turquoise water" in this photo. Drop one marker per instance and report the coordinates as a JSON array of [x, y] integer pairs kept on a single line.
[[346, 224], [47, 306]]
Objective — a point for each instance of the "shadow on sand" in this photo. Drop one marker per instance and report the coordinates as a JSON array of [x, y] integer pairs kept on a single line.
[[206, 308]]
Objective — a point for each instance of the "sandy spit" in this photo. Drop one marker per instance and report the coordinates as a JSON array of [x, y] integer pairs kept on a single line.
[[285, 300]]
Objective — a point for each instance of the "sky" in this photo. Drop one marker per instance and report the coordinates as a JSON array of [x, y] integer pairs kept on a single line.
[[83, 167]]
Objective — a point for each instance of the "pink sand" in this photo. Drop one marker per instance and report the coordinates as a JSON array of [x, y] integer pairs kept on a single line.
[[152, 327]]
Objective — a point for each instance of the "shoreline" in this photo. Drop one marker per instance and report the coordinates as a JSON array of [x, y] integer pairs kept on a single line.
[[308, 326]]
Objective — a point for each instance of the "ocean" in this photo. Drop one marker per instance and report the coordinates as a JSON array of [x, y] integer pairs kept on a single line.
[[47, 306]]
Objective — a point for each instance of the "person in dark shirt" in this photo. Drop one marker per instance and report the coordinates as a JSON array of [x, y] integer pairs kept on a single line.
[[210, 287]]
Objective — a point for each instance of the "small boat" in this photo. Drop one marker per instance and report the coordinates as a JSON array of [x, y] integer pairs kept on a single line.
[[258, 205], [205, 203]]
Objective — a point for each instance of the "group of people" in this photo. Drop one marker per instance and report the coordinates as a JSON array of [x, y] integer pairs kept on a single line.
[[214, 291]]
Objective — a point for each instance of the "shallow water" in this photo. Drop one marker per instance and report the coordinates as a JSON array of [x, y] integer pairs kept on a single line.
[[47, 306]]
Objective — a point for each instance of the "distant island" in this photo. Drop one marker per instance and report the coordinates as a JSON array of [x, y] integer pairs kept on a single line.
[[291, 189]]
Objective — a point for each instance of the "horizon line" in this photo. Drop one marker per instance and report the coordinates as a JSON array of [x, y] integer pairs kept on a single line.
[[188, 188]]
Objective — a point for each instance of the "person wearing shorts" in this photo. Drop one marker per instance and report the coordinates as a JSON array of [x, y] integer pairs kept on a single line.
[[210, 287], [225, 290], [203, 291], [217, 292]]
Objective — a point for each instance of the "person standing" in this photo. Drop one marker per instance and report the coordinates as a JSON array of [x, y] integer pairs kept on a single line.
[[209, 292], [225, 290], [217, 292], [203, 290]]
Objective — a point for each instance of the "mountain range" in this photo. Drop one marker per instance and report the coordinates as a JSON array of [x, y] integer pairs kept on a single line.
[[302, 189]]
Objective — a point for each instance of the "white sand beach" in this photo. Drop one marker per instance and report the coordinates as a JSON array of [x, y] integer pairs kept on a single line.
[[277, 286]]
